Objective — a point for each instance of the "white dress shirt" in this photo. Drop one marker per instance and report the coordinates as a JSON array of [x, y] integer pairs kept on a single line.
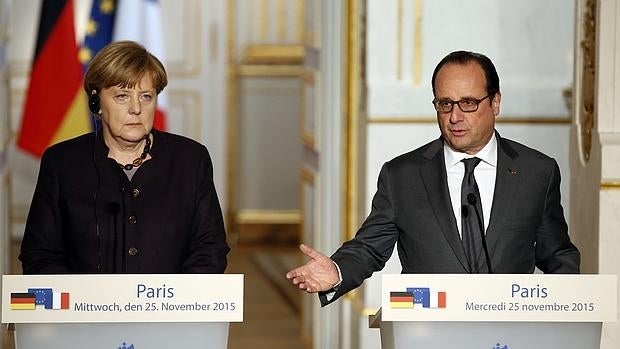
[[484, 173]]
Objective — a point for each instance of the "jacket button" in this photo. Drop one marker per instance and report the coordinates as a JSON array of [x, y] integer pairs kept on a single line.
[[135, 192], [133, 251], [132, 220]]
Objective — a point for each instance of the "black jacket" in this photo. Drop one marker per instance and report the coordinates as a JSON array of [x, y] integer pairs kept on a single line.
[[87, 217], [412, 206]]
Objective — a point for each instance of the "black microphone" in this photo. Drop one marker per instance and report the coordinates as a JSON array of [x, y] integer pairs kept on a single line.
[[471, 199], [124, 233], [114, 208]]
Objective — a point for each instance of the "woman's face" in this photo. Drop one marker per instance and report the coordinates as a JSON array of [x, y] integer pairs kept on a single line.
[[127, 113]]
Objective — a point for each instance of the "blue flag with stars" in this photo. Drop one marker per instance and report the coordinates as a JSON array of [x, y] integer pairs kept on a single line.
[[43, 296], [421, 295], [99, 29]]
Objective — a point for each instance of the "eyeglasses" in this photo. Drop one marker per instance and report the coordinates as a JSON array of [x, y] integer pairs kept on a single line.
[[467, 105]]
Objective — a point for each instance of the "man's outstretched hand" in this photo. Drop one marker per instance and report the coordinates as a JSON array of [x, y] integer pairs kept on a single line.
[[319, 274]]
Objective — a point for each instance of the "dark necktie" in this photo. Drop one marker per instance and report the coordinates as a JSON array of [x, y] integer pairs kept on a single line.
[[471, 215]]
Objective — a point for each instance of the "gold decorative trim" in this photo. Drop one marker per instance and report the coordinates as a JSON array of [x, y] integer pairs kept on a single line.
[[559, 120], [357, 305], [300, 15], [231, 124], [306, 341], [273, 54], [308, 141], [369, 311], [263, 15], [417, 42], [307, 231], [588, 79], [307, 135], [614, 185], [353, 122], [352, 296], [268, 217], [269, 70], [307, 175]]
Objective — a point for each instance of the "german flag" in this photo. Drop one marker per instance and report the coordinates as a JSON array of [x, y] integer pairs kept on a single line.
[[401, 300], [55, 107], [22, 301]]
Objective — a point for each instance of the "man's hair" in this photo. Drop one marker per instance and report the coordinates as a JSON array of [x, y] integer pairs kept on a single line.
[[465, 57], [124, 64]]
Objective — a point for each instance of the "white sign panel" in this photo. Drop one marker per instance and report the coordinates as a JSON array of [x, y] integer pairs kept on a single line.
[[122, 298], [499, 297]]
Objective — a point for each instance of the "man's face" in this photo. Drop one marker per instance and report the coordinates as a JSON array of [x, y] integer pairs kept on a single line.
[[466, 132]]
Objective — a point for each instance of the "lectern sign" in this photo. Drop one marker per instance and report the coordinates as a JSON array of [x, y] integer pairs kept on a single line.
[[505, 297], [122, 298]]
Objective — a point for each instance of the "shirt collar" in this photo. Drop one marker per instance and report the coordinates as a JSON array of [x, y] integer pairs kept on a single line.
[[487, 154]]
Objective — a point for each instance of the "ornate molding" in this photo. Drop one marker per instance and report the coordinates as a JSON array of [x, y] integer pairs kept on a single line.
[[588, 78]]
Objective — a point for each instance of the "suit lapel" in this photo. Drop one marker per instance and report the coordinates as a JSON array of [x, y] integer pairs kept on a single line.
[[439, 197], [506, 185]]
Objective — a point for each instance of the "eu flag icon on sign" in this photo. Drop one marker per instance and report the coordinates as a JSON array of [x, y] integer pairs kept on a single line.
[[43, 296], [421, 295]]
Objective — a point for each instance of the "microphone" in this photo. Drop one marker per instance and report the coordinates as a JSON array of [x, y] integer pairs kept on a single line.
[[124, 233], [472, 200], [114, 208]]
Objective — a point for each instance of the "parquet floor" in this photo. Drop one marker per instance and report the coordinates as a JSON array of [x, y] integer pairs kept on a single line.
[[270, 321]]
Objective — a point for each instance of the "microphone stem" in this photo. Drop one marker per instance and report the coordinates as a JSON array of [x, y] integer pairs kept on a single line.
[[124, 236]]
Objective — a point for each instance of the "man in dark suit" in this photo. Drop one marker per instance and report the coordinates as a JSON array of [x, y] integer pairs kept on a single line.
[[513, 197]]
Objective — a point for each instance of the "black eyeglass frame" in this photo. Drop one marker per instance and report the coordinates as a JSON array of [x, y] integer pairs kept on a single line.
[[452, 103]]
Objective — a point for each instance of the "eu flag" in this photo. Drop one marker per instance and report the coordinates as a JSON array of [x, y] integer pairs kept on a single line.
[[43, 296], [98, 29], [421, 295]]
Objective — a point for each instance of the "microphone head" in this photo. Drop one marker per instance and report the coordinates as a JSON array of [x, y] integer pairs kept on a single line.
[[471, 198], [465, 211]]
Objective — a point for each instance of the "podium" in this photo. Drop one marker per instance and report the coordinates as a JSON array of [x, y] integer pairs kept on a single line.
[[495, 311], [122, 311]]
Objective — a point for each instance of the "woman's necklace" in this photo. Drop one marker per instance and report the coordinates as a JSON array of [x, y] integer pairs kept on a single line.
[[138, 161]]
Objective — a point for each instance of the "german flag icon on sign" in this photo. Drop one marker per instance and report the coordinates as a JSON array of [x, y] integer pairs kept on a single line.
[[22, 301]]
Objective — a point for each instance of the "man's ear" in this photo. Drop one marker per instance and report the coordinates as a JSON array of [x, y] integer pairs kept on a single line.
[[497, 99]]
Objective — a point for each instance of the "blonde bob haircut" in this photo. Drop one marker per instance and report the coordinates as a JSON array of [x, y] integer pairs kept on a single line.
[[123, 64]]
